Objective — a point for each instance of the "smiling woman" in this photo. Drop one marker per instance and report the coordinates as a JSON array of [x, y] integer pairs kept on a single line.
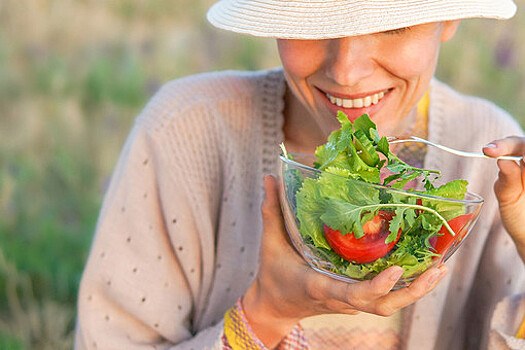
[[383, 74], [183, 257]]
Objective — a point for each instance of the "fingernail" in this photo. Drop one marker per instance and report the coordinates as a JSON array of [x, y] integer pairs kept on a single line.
[[396, 275], [437, 275], [490, 145]]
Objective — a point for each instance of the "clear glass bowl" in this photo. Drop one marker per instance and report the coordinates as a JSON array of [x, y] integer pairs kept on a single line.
[[316, 203]]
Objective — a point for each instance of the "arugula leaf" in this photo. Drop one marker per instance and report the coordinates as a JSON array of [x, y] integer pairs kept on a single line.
[[410, 217], [404, 179], [343, 216], [455, 189], [396, 224], [396, 167]]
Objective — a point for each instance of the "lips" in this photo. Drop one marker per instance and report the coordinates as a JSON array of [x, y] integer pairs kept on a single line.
[[365, 101], [355, 105]]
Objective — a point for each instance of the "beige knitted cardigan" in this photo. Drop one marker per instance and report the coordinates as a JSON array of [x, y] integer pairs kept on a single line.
[[178, 236]]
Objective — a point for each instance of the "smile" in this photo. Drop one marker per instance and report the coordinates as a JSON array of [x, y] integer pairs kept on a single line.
[[357, 102]]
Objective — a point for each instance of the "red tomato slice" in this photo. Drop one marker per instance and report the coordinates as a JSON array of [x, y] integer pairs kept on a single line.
[[442, 243], [419, 202], [368, 248]]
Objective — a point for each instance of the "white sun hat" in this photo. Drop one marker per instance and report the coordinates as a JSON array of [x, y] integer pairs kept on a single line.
[[325, 19]]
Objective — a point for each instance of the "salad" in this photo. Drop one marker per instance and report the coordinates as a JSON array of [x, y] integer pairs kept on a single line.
[[363, 213]]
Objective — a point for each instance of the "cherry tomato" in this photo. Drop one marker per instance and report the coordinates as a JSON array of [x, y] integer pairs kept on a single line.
[[368, 248], [442, 243]]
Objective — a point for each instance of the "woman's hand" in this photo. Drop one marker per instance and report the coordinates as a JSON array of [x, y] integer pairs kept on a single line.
[[286, 289], [510, 187]]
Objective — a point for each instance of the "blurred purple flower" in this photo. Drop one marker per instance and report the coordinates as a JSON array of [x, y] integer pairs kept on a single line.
[[504, 53]]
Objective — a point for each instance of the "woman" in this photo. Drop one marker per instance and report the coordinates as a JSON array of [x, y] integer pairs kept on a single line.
[[175, 262]]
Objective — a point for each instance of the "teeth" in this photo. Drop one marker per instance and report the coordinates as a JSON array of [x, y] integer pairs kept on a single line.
[[356, 102]]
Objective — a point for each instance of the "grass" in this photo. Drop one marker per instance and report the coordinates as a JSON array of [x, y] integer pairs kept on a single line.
[[74, 75]]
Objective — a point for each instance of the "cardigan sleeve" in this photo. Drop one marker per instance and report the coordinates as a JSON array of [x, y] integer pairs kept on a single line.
[[145, 280], [501, 272], [507, 318], [159, 273]]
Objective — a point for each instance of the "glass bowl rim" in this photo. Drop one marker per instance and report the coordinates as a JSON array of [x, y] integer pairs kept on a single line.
[[479, 199]]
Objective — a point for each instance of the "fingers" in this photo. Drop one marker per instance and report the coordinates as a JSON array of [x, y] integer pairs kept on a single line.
[[420, 287], [275, 240], [511, 178], [381, 285], [509, 146], [361, 294], [333, 296], [376, 296], [511, 181]]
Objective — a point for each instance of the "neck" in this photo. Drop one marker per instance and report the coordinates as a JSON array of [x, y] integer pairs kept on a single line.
[[301, 133], [401, 127]]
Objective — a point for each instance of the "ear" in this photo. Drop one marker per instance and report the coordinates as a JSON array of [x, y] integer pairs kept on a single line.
[[449, 29]]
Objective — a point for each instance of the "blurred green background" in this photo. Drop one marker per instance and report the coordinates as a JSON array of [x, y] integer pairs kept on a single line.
[[73, 76]]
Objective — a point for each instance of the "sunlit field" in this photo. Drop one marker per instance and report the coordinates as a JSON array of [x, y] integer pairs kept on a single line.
[[75, 74]]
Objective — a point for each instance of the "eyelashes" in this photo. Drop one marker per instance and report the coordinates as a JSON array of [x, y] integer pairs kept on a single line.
[[397, 31]]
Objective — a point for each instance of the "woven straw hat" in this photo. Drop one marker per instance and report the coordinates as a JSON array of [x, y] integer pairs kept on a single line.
[[324, 19]]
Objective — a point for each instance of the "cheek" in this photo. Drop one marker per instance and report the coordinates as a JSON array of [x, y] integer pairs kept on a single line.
[[300, 59], [415, 60]]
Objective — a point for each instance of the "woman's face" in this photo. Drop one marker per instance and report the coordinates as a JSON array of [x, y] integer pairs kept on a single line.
[[381, 74]]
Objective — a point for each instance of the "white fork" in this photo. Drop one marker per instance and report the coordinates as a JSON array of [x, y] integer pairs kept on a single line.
[[393, 139]]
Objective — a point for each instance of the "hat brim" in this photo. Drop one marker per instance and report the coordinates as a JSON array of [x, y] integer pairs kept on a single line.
[[292, 19]]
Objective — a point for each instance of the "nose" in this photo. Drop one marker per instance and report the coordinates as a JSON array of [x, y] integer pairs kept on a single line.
[[351, 60]]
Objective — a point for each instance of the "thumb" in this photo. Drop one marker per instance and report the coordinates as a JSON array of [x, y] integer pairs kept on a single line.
[[275, 236], [511, 145], [511, 181], [271, 209]]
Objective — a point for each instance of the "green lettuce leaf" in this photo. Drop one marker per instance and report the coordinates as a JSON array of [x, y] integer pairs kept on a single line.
[[455, 189], [310, 207]]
